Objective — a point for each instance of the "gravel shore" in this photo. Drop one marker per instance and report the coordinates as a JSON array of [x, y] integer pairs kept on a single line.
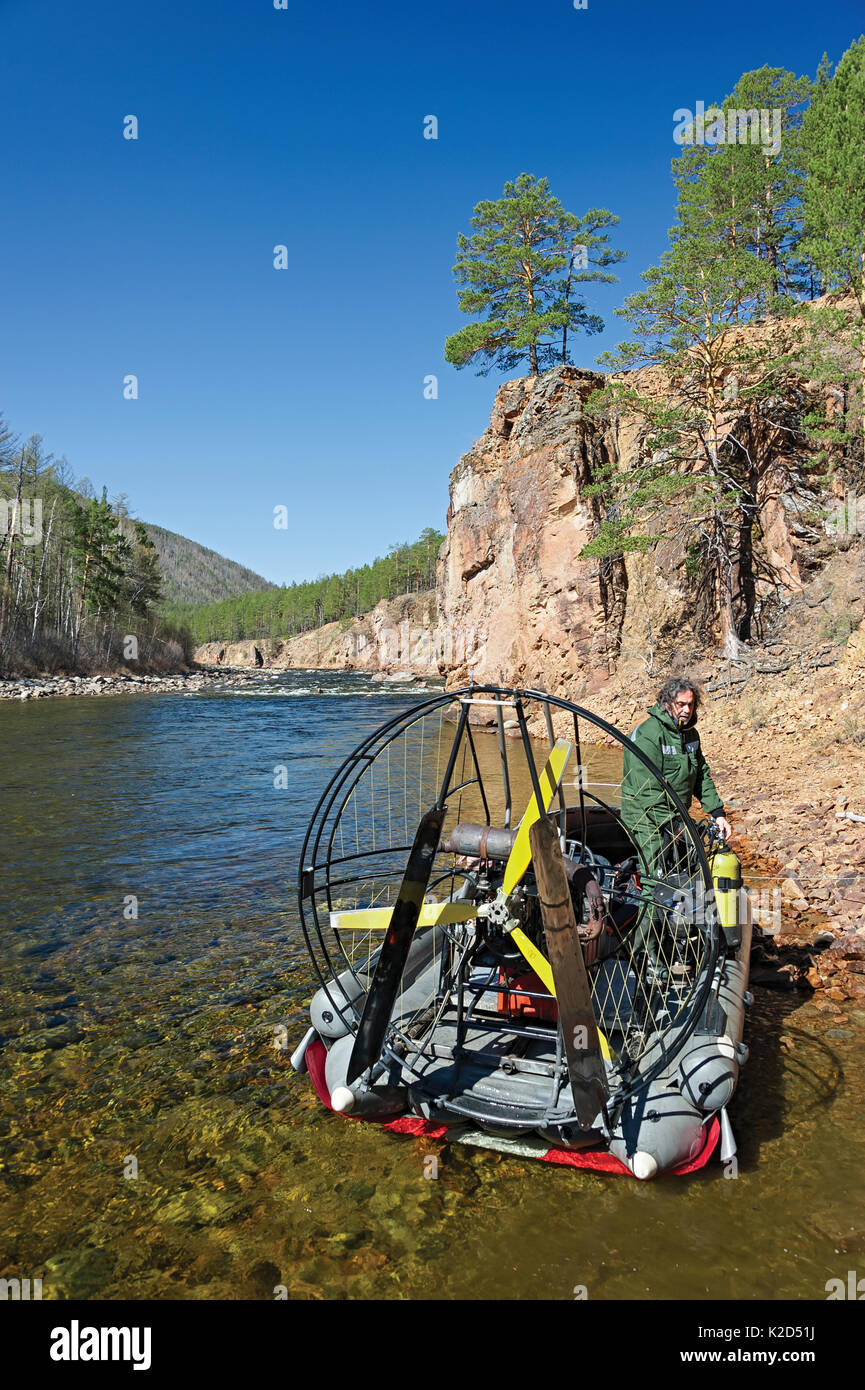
[[41, 687]]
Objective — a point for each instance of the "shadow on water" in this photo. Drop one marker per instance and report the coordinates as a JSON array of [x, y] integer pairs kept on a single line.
[[154, 1142], [783, 1056]]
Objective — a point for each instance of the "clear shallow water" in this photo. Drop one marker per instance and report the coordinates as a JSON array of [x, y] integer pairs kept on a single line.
[[151, 1038]]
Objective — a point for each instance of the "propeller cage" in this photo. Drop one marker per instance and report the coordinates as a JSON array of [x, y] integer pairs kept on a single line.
[[466, 992]]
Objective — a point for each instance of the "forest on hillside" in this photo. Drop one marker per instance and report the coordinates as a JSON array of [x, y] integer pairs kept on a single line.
[[293, 608], [194, 574], [80, 582], [83, 585]]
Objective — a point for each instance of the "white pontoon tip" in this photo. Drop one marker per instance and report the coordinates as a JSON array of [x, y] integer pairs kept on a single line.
[[342, 1100], [644, 1166], [298, 1057], [728, 1139]]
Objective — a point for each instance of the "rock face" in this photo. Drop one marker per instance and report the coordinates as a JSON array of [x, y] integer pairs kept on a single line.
[[515, 603], [854, 656], [510, 576], [229, 654], [522, 510], [399, 636]]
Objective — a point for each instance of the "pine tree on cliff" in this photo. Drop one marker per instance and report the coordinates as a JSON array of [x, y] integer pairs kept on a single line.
[[751, 182], [520, 270], [834, 216], [697, 480]]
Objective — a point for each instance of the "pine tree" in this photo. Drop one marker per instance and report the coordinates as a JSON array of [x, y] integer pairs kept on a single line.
[[143, 581], [693, 470], [100, 554], [833, 146], [519, 270], [750, 189]]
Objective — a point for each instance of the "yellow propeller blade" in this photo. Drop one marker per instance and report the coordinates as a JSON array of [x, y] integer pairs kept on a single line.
[[521, 854], [378, 918], [536, 959]]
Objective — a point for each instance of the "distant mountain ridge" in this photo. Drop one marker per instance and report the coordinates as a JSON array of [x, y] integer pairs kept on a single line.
[[192, 573]]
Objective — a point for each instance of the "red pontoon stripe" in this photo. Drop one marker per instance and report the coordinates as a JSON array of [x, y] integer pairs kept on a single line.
[[713, 1135], [594, 1161], [608, 1163], [316, 1058], [414, 1124]]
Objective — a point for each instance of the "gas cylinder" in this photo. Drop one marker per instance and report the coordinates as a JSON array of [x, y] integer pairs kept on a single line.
[[727, 880]]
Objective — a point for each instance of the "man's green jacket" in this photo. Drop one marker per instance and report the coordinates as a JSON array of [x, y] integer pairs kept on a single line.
[[677, 754]]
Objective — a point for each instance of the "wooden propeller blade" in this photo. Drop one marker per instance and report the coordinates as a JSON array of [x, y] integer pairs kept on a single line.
[[576, 1014]]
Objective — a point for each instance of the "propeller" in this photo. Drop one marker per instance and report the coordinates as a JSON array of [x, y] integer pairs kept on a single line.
[[580, 1034], [378, 918], [521, 854], [404, 916], [410, 912]]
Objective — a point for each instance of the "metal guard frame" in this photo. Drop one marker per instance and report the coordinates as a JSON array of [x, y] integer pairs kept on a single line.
[[344, 781]]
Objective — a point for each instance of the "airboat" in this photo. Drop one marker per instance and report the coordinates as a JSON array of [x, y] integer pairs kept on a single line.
[[509, 956]]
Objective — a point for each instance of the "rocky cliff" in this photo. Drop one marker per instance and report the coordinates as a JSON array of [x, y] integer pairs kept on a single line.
[[399, 637], [522, 510], [516, 524]]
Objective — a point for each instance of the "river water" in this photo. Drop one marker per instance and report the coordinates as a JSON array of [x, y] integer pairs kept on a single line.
[[154, 1143]]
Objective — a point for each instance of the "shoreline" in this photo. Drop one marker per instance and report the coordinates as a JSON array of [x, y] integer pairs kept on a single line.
[[42, 687], [169, 682]]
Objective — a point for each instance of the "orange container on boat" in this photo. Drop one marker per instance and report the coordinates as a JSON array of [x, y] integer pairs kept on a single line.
[[538, 1005]]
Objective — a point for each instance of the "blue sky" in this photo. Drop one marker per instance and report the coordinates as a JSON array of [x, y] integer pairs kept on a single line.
[[304, 127]]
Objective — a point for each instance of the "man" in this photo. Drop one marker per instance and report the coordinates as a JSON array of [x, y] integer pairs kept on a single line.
[[670, 741]]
